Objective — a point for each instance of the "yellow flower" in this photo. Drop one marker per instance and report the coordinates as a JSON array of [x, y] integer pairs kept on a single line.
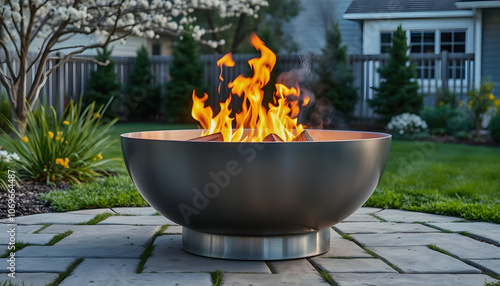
[[98, 157], [470, 104], [57, 138], [63, 162], [441, 103], [97, 115], [497, 102], [66, 142], [492, 97], [66, 122], [462, 103], [24, 139], [51, 135]]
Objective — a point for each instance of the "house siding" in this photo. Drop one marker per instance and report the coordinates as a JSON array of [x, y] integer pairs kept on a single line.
[[490, 63], [308, 28]]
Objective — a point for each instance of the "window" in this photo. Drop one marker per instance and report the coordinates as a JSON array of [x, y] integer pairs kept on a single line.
[[432, 42], [385, 42], [156, 49], [454, 42], [423, 42]]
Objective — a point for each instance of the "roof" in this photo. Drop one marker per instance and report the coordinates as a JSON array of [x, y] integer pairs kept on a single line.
[[406, 9], [468, 4], [391, 6]]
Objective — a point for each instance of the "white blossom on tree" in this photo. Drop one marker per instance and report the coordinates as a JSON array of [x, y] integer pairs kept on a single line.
[[56, 21]]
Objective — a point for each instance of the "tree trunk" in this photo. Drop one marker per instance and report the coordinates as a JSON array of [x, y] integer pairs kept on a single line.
[[19, 120]]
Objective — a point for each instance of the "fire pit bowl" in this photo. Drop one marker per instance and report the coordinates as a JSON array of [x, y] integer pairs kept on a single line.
[[256, 201]]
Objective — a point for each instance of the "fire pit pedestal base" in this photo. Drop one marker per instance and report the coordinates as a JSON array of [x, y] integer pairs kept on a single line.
[[256, 247]]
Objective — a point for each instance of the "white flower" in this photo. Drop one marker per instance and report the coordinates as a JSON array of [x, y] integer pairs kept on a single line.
[[16, 16], [15, 156], [15, 7]]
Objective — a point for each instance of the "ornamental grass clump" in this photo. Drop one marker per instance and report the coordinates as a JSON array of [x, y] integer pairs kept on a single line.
[[407, 125], [63, 148]]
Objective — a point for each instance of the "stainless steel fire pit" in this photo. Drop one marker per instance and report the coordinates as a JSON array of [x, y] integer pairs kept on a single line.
[[256, 201]]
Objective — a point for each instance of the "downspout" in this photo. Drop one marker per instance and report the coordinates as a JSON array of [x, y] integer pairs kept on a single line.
[[478, 45]]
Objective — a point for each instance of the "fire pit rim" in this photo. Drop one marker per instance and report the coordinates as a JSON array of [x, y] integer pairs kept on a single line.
[[380, 136]]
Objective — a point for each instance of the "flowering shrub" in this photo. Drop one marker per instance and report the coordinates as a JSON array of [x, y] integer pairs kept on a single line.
[[407, 124], [480, 101], [7, 162], [63, 148]]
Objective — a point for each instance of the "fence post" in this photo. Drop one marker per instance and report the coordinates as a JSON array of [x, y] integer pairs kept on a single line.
[[444, 71], [60, 78]]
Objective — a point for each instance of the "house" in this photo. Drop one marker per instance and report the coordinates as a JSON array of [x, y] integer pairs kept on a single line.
[[455, 26]]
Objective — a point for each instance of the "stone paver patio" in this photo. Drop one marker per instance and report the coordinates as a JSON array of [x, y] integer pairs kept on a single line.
[[372, 247]]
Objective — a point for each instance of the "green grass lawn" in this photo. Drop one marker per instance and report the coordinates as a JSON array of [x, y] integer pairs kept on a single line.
[[430, 177], [441, 178]]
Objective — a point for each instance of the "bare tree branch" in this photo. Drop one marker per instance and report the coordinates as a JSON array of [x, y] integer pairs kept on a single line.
[[42, 23], [212, 27], [12, 39], [8, 57], [38, 55], [8, 86], [238, 35]]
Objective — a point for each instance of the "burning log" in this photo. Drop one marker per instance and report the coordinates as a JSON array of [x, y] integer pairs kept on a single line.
[[272, 138], [303, 136], [211, 137]]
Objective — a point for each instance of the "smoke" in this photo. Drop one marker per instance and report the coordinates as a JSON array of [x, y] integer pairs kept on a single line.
[[301, 77], [318, 113]]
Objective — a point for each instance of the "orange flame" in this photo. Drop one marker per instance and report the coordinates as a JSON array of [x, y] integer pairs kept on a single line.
[[254, 122]]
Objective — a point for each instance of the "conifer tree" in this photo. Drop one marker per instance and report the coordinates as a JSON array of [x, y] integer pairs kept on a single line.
[[335, 78], [143, 93], [186, 75], [398, 92], [102, 85]]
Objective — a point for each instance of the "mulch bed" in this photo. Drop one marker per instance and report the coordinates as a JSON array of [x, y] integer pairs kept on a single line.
[[26, 199]]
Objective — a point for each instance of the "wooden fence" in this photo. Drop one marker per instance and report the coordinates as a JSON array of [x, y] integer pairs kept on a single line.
[[436, 72]]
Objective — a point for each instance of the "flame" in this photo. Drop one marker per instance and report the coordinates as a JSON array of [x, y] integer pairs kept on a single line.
[[254, 122]]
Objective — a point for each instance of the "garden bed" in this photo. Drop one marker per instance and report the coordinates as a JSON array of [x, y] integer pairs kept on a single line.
[[27, 198]]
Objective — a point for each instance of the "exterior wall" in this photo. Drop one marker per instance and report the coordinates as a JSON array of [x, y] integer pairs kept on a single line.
[[351, 30], [308, 28], [490, 64], [165, 45], [127, 50], [132, 44], [372, 29]]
